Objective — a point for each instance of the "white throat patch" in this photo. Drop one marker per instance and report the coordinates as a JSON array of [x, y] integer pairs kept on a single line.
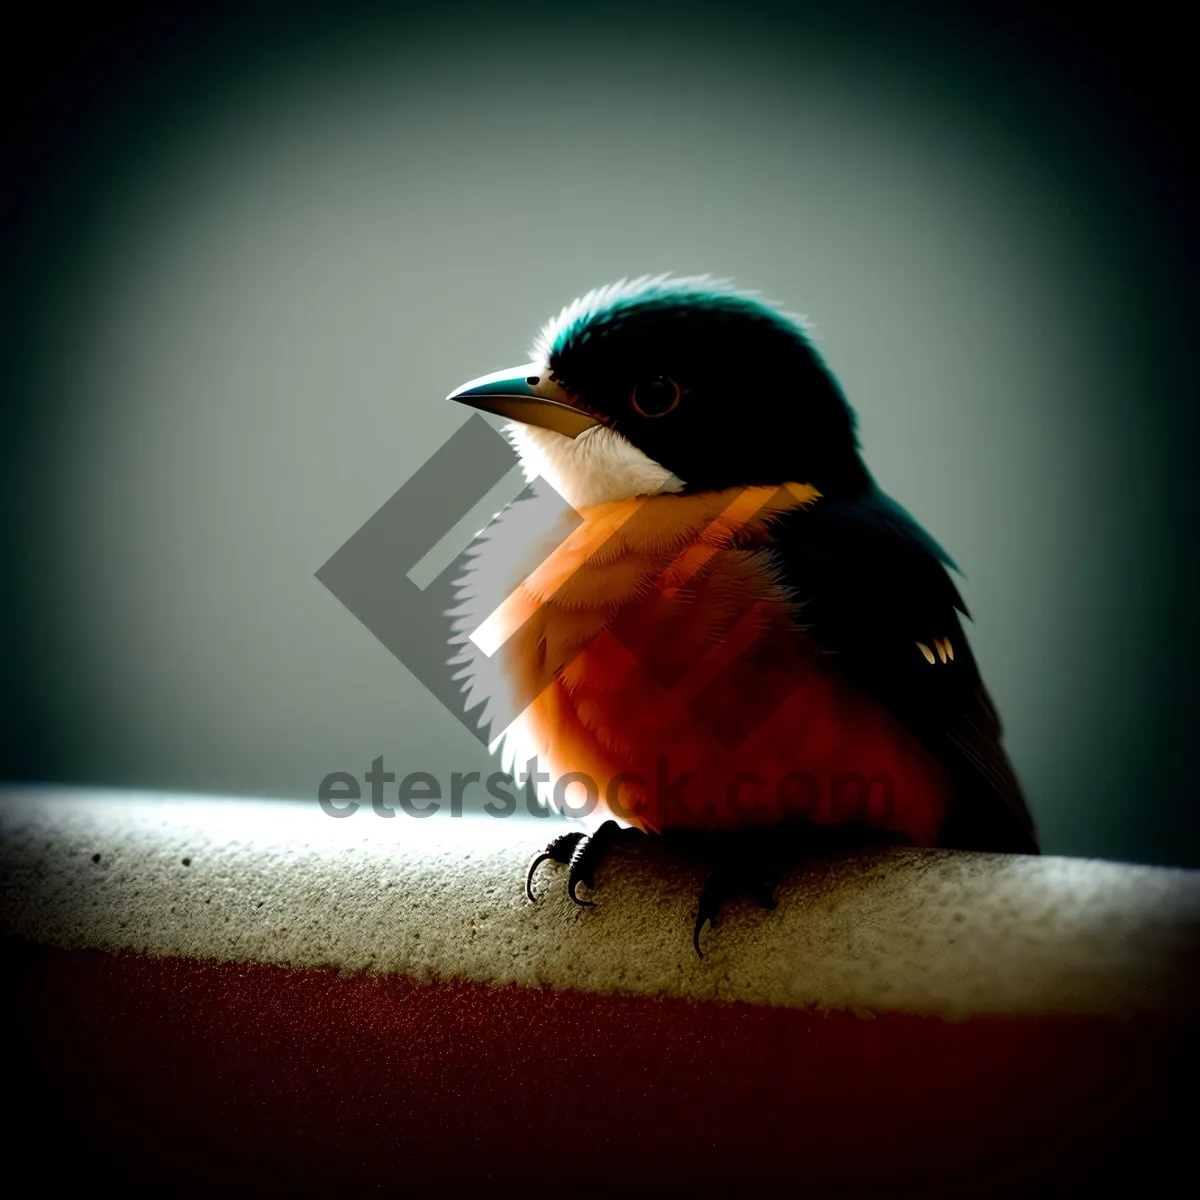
[[596, 467]]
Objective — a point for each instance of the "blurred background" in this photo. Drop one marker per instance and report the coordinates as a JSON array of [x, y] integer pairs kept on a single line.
[[247, 251]]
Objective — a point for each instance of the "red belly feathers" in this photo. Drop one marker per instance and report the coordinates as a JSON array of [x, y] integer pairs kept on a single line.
[[664, 665]]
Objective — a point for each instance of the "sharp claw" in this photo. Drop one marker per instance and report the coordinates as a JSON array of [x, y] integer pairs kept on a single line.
[[571, 886], [704, 916], [537, 862]]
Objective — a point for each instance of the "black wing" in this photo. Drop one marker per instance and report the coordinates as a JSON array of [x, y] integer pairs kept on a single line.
[[874, 590]]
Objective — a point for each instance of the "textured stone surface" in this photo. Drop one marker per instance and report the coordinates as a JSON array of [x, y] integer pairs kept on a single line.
[[276, 882]]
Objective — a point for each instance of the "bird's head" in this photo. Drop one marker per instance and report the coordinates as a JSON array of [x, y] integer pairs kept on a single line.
[[672, 385]]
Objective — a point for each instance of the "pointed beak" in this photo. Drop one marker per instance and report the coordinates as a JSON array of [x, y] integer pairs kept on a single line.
[[529, 395]]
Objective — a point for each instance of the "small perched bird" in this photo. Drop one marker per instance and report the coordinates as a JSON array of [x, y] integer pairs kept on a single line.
[[744, 642]]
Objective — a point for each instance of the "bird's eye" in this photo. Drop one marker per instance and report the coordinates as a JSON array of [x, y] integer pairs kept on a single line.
[[656, 397]]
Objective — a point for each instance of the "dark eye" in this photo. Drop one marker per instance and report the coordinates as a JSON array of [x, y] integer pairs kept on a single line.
[[656, 397]]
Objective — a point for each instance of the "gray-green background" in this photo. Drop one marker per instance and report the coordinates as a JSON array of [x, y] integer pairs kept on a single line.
[[248, 277]]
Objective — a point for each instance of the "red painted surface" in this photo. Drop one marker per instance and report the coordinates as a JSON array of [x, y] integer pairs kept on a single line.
[[194, 1076]]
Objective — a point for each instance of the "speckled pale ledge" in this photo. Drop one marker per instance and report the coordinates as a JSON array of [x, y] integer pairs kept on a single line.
[[280, 882]]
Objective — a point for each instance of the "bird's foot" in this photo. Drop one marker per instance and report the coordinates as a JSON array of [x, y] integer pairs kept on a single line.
[[581, 855], [747, 865]]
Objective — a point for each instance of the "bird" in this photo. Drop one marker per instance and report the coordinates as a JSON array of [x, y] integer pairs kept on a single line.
[[741, 641]]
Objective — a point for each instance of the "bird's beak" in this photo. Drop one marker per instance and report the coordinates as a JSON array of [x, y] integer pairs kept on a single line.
[[527, 394]]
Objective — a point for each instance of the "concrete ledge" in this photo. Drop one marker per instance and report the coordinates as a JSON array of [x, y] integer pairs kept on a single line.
[[273, 882], [223, 989]]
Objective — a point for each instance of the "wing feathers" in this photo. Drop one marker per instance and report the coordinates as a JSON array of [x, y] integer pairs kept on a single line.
[[873, 589]]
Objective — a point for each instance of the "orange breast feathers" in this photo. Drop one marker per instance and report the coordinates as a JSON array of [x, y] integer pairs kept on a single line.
[[670, 682]]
